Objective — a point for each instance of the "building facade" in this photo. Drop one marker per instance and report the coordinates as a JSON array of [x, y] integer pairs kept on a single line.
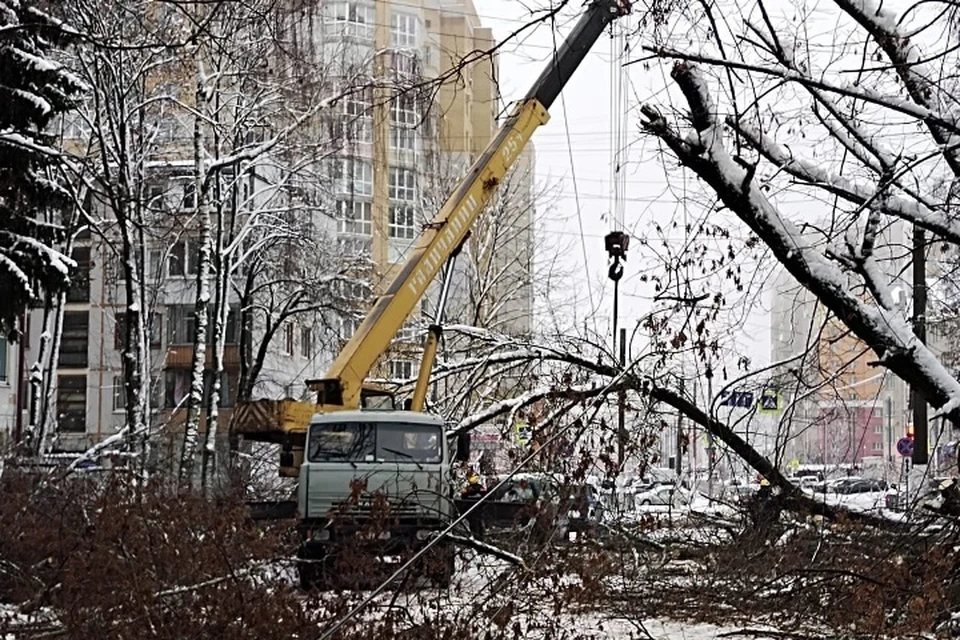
[[410, 119], [843, 408], [407, 145]]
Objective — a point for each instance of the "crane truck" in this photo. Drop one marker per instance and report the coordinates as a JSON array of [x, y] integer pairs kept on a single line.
[[358, 458]]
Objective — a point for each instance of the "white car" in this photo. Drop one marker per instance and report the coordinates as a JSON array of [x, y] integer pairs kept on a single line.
[[662, 495]]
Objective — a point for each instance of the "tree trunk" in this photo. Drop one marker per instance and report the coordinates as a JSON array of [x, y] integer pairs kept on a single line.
[[195, 399]]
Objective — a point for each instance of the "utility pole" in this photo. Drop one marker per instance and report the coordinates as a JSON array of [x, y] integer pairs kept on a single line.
[[678, 467], [622, 406], [920, 431], [889, 411]]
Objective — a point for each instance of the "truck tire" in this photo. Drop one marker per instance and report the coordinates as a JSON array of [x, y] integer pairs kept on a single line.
[[443, 566], [306, 575], [310, 573]]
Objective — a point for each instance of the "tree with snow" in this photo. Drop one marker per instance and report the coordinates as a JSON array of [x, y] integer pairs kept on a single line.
[[34, 206]]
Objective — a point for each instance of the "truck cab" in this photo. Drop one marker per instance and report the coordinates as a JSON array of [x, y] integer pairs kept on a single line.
[[378, 481]]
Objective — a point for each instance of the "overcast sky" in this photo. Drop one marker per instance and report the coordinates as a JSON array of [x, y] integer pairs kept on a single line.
[[586, 111]]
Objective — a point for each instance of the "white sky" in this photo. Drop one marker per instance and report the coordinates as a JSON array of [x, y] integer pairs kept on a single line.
[[586, 110]]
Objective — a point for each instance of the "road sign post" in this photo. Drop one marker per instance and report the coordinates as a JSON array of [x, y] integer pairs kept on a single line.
[[905, 447]]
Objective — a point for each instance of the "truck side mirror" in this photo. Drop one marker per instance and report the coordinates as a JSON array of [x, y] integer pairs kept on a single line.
[[286, 458], [463, 448]]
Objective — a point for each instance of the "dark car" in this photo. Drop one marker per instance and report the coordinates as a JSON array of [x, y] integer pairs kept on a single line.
[[579, 503], [861, 485]]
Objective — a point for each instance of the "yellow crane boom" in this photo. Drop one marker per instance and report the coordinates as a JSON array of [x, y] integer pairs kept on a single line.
[[342, 388]]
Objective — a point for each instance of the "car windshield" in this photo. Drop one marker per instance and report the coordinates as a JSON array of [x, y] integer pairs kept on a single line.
[[374, 442]]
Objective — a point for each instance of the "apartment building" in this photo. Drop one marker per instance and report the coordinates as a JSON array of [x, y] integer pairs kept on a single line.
[[89, 397], [402, 144], [843, 409], [406, 147]]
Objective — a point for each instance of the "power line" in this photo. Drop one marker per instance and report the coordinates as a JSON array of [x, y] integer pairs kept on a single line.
[[576, 192]]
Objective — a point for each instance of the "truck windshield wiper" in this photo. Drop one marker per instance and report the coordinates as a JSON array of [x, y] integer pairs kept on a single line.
[[404, 455]]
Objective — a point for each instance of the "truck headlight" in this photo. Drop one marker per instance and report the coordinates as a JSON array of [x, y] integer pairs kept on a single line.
[[321, 534]]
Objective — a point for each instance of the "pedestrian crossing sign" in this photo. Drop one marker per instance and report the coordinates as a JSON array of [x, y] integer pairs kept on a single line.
[[769, 402]]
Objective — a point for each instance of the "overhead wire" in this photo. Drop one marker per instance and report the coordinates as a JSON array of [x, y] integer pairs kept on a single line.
[[576, 191]]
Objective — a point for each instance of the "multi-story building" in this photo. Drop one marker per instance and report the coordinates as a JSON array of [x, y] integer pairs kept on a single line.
[[89, 398], [843, 409], [403, 142], [407, 145]]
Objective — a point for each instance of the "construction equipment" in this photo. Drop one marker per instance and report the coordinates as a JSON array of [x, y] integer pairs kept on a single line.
[[381, 481], [343, 388]]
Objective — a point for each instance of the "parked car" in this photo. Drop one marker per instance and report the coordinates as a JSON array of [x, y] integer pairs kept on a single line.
[[663, 495], [867, 485], [805, 482], [838, 485]]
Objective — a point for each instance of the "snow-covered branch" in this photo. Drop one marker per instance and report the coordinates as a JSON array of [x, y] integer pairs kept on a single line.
[[887, 332], [861, 194], [917, 78]]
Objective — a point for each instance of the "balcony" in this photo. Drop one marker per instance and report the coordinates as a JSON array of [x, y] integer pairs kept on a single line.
[[180, 356]]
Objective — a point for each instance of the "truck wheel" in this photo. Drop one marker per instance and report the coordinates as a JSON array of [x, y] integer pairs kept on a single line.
[[310, 573], [443, 566], [307, 575]]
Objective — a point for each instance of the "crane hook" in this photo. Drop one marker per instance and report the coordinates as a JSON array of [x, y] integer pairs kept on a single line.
[[616, 243]]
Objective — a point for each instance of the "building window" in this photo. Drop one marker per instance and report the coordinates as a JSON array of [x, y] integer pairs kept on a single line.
[[403, 122], [177, 384], [878, 446], [355, 217], [306, 342], [119, 394], [288, 339], [184, 259], [356, 18], [354, 176], [181, 327], [878, 428], [403, 111], [176, 387], [72, 403], [403, 184], [4, 366], [406, 63], [404, 32], [189, 200], [73, 341], [359, 104], [120, 330], [401, 369], [155, 196], [403, 221], [79, 290], [358, 130], [402, 139]]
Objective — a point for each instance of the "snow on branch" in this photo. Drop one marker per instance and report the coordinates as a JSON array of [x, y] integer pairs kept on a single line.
[[850, 90], [904, 53], [14, 139], [887, 332], [860, 194], [488, 549], [572, 394]]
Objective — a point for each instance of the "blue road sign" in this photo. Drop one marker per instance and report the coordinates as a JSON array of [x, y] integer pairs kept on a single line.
[[905, 447]]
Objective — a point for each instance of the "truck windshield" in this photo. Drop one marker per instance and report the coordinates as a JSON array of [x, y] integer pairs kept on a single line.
[[374, 442]]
